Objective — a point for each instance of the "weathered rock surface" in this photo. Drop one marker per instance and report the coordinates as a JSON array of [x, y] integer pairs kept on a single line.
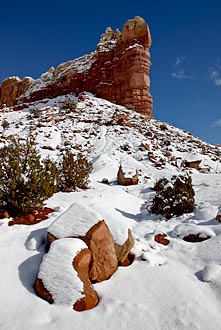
[[118, 71], [127, 176], [41, 291], [104, 260], [65, 286], [123, 250], [81, 265], [100, 242], [12, 88]]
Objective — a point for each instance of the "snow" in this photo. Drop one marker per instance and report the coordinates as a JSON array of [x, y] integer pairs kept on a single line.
[[188, 229], [58, 274], [128, 171], [74, 222], [211, 272], [173, 287], [78, 65]]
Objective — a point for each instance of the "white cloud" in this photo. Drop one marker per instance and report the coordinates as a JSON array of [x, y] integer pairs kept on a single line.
[[215, 75], [217, 82], [178, 71], [216, 123], [181, 74], [178, 61]]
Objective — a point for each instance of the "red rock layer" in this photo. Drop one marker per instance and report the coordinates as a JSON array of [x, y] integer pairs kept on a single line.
[[117, 71]]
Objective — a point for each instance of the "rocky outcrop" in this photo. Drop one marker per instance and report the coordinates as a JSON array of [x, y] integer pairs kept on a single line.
[[118, 71], [12, 88]]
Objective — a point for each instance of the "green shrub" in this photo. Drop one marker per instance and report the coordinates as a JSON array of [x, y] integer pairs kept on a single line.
[[68, 106], [73, 172], [5, 124], [34, 113], [173, 197], [25, 181]]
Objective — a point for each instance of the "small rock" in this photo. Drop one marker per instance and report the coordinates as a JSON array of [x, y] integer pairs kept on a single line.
[[161, 239], [195, 238], [127, 176]]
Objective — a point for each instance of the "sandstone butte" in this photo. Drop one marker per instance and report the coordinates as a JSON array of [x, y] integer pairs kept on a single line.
[[118, 71]]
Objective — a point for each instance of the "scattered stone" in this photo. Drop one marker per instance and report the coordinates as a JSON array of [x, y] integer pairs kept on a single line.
[[218, 217], [127, 176], [161, 239], [193, 164], [105, 181], [195, 238], [37, 216], [48, 148]]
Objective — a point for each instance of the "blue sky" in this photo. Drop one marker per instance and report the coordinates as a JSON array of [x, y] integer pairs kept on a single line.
[[185, 54]]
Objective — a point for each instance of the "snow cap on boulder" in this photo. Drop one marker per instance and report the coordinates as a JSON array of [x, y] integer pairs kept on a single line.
[[76, 221]]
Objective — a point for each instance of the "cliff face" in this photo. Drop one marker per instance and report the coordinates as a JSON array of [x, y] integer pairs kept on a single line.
[[118, 71]]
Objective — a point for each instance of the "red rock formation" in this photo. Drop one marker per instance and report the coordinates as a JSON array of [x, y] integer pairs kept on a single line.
[[12, 88], [117, 71]]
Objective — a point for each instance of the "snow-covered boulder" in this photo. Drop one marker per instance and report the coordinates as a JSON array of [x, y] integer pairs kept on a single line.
[[127, 176], [63, 275], [80, 221]]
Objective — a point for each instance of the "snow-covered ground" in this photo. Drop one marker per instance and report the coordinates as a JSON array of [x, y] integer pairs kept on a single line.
[[171, 287]]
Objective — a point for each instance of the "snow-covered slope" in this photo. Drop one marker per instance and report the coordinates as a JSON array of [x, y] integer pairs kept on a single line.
[[173, 287], [97, 125]]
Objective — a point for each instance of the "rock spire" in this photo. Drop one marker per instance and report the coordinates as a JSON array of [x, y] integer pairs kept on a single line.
[[118, 70]]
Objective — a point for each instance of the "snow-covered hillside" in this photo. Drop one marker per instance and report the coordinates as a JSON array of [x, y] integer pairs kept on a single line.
[[171, 287]]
